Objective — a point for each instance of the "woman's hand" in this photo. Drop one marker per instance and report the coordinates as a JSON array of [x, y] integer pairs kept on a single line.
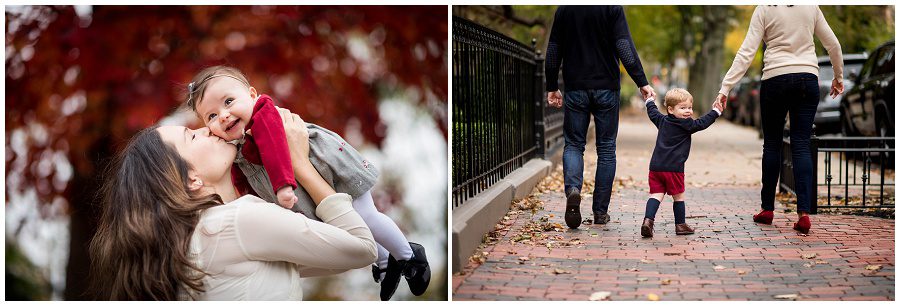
[[722, 100], [298, 144], [297, 135], [837, 87]]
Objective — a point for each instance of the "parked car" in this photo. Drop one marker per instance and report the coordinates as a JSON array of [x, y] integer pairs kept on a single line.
[[828, 115], [868, 108]]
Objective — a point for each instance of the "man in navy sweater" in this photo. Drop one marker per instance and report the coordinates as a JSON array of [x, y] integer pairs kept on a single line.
[[589, 42]]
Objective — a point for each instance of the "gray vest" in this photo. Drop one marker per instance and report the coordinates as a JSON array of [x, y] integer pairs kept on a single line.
[[338, 163]]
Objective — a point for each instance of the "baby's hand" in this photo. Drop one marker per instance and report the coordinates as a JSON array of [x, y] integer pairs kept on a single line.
[[718, 105], [286, 197]]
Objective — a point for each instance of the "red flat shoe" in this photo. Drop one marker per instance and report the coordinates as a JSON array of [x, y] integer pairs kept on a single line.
[[803, 225], [764, 217]]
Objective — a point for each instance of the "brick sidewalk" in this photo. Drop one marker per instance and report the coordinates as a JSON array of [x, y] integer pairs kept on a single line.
[[729, 257]]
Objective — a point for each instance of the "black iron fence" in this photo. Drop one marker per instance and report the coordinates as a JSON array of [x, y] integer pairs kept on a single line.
[[499, 116], [857, 172]]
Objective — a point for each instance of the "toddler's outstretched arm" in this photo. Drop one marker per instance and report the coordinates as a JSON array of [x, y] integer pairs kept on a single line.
[[653, 112], [271, 141], [703, 122]]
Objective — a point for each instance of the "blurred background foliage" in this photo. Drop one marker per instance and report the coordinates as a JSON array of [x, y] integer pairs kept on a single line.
[[81, 80], [676, 41]]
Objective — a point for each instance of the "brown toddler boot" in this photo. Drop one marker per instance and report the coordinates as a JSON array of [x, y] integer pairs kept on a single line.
[[683, 229], [647, 228]]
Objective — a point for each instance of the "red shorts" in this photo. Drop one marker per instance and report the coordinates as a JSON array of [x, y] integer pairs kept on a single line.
[[670, 183]]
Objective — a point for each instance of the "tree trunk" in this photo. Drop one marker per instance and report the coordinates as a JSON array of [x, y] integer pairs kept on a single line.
[[85, 203], [705, 72]]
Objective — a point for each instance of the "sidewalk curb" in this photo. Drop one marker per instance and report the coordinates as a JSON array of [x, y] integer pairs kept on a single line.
[[478, 215]]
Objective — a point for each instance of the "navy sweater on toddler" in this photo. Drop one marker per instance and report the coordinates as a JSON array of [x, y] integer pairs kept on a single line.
[[673, 142]]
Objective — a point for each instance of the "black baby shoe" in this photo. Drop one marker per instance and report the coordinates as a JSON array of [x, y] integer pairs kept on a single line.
[[417, 272]]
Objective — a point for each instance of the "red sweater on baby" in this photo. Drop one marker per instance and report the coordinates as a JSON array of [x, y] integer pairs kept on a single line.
[[267, 146]]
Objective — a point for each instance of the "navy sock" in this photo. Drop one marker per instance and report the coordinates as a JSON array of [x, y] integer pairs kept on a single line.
[[679, 212], [652, 207]]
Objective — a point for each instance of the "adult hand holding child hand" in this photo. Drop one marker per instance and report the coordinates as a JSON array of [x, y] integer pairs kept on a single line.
[[648, 93], [722, 101], [719, 106]]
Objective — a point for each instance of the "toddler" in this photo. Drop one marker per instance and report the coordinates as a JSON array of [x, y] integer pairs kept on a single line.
[[223, 99], [673, 144]]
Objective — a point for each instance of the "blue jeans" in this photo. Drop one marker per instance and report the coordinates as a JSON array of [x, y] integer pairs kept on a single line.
[[579, 106], [797, 95]]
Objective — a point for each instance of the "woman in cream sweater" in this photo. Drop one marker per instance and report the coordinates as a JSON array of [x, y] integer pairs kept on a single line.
[[789, 87]]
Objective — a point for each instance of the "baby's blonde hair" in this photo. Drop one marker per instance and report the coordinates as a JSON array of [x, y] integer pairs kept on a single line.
[[677, 95]]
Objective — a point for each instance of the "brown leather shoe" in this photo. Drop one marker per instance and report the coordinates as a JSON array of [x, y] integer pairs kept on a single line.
[[683, 229], [647, 228]]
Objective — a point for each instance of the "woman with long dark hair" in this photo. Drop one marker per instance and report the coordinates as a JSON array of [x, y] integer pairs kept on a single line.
[[173, 227], [789, 87]]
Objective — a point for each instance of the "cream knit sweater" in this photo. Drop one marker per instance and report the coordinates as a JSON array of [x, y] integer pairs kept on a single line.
[[788, 33]]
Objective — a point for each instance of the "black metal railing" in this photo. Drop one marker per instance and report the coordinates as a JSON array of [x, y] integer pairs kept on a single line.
[[499, 117], [857, 172]]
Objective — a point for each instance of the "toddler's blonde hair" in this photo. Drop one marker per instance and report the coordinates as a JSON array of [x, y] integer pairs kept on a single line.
[[677, 95]]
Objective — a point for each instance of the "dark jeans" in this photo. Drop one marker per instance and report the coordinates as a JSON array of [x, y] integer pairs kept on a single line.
[[579, 106], [795, 94]]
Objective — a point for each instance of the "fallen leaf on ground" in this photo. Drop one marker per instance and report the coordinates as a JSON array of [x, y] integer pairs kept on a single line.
[[600, 296], [787, 297], [671, 254], [873, 267], [821, 262], [666, 281], [646, 260], [652, 297], [810, 256], [561, 271], [741, 272], [719, 268]]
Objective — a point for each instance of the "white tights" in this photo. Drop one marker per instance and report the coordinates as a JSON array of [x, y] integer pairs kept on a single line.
[[388, 237]]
